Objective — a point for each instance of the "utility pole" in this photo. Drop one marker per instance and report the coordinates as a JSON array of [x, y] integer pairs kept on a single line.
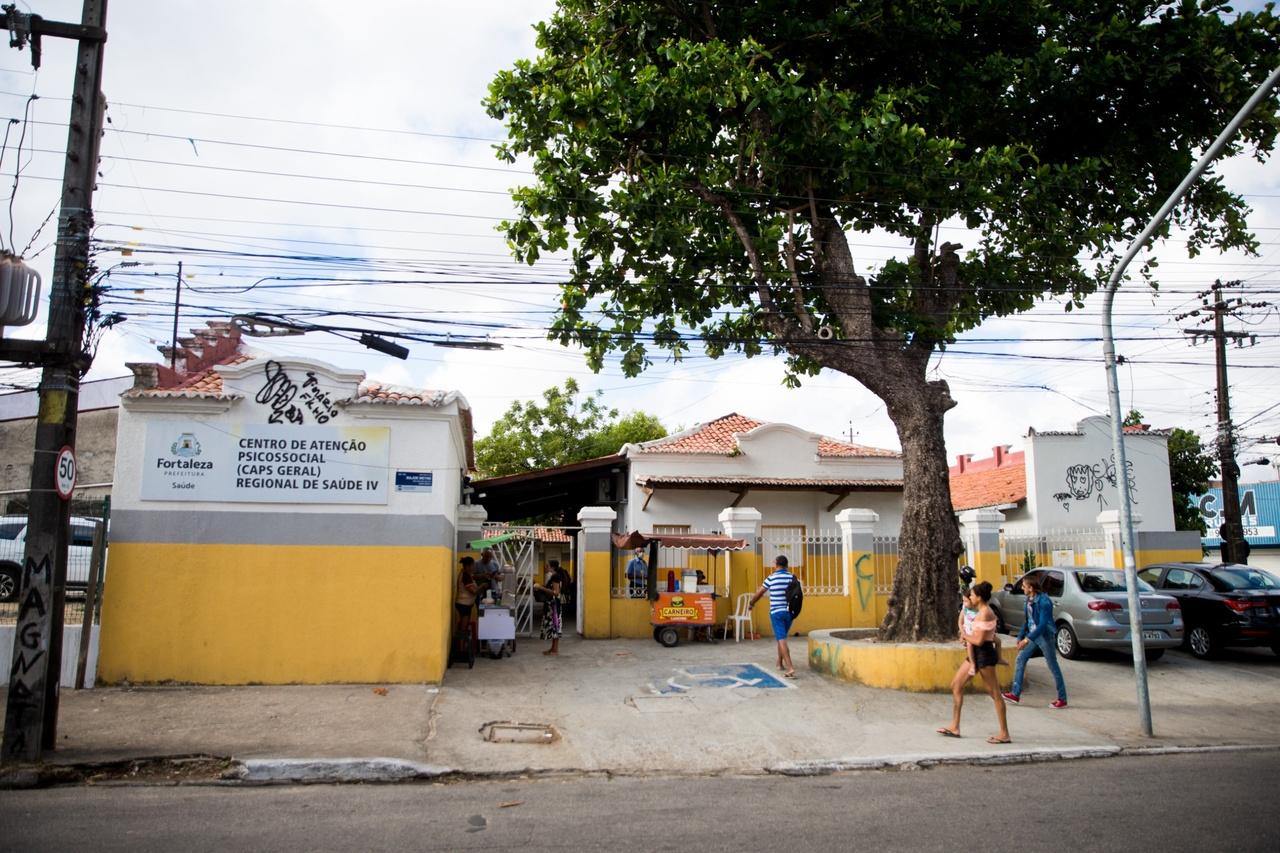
[[31, 716], [1234, 548], [177, 303]]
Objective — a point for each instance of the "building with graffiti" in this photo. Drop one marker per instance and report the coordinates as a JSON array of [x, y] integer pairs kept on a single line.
[[280, 520], [1058, 497]]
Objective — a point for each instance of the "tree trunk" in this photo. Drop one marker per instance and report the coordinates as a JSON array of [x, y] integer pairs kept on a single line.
[[925, 597]]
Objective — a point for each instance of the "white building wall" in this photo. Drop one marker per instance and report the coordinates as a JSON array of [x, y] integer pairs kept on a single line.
[[1071, 477], [772, 451], [421, 438]]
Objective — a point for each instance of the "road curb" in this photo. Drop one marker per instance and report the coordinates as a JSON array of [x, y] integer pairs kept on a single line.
[[914, 760], [338, 771], [275, 771], [910, 761]]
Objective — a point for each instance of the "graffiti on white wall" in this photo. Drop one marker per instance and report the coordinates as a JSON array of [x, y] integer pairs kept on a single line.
[[1085, 482]]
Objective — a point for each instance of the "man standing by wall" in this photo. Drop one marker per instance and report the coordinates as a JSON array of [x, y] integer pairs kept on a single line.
[[637, 573], [779, 610]]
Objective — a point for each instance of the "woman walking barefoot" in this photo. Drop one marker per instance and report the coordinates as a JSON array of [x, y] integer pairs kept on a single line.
[[552, 612], [985, 658]]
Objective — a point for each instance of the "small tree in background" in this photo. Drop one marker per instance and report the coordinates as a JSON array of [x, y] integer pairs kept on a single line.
[[1191, 468], [564, 428]]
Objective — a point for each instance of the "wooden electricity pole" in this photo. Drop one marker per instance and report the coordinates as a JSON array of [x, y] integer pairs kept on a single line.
[[31, 716], [1234, 547]]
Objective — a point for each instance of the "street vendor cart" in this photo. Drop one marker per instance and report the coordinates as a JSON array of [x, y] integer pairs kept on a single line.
[[689, 605]]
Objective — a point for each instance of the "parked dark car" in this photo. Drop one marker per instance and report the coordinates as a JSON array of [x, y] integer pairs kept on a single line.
[[1223, 604], [1091, 611]]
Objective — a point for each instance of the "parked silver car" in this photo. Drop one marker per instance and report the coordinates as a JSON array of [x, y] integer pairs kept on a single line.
[[1091, 610], [13, 546]]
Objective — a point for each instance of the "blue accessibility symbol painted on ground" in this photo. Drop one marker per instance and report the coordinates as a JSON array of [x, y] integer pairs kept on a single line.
[[729, 675]]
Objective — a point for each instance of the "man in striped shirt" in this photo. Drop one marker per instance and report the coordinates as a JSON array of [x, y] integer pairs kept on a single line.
[[779, 613]]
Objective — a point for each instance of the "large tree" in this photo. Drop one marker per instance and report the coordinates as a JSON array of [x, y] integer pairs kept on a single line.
[[1191, 468], [566, 427], [710, 167]]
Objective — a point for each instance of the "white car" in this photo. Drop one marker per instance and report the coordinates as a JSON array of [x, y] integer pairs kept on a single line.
[[13, 547]]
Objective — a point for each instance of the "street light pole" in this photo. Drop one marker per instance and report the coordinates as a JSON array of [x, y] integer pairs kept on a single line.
[[1113, 389]]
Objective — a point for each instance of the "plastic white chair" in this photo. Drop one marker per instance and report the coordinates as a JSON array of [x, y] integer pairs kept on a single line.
[[741, 613]]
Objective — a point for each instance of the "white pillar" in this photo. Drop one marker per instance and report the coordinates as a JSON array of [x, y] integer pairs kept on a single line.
[[1110, 521], [470, 524], [857, 527]]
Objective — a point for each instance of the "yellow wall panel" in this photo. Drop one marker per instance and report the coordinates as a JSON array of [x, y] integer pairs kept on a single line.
[[275, 614]]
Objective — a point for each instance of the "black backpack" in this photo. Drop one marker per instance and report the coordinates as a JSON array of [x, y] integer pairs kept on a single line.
[[795, 596]]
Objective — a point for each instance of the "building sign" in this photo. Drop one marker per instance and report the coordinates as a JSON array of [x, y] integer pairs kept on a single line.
[[413, 481], [683, 608], [1259, 513], [262, 463]]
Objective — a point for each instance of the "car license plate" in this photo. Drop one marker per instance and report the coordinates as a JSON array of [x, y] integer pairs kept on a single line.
[[1152, 635]]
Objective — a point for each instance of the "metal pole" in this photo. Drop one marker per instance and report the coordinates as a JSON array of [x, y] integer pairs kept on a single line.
[[1113, 389], [31, 715], [177, 301]]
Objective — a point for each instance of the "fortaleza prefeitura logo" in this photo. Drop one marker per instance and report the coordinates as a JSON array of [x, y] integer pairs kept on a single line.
[[187, 446], [186, 464]]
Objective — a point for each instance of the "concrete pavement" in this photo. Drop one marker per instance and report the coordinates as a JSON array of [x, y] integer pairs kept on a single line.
[[633, 707]]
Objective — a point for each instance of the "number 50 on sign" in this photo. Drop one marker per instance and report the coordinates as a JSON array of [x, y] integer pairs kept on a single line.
[[65, 474]]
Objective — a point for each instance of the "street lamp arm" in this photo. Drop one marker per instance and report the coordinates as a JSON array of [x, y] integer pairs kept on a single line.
[[1113, 386]]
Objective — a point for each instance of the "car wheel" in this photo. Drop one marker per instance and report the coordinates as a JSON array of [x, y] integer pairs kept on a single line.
[[1068, 645], [8, 583], [1201, 642], [1154, 655], [668, 636]]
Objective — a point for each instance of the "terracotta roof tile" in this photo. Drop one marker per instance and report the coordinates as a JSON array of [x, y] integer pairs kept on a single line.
[[1004, 485], [202, 383], [400, 395], [721, 437]]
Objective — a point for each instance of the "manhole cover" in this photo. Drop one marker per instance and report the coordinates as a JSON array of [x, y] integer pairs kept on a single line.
[[509, 732]]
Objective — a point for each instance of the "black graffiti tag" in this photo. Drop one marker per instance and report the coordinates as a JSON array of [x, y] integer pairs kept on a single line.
[[278, 392], [317, 400]]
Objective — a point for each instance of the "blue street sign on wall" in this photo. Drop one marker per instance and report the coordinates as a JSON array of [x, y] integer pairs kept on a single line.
[[413, 481]]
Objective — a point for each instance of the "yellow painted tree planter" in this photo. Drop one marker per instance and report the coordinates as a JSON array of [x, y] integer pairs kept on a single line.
[[921, 667]]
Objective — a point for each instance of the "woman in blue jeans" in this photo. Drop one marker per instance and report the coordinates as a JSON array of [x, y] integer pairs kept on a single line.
[[1037, 632]]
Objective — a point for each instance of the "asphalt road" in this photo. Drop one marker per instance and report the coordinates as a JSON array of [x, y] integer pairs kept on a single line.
[[1216, 801]]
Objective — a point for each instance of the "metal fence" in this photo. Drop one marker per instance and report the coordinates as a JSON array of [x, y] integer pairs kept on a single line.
[[884, 555], [817, 558], [1022, 550], [86, 565]]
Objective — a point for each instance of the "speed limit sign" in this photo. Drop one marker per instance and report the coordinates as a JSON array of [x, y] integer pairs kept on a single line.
[[65, 474]]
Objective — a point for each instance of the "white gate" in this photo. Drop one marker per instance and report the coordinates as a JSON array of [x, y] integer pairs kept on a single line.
[[516, 550]]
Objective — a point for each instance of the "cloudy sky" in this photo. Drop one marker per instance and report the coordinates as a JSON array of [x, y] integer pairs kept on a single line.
[[341, 160]]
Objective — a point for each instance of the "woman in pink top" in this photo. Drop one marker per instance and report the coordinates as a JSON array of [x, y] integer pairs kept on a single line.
[[985, 656]]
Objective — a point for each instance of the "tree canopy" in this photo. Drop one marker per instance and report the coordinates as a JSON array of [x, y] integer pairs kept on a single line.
[[564, 428], [719, 172]]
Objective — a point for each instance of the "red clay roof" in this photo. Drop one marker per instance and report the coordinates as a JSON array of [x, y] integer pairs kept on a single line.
[[721, 437], [1004, 485]]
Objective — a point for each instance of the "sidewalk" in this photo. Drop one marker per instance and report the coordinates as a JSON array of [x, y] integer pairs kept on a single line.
[[634, 707]]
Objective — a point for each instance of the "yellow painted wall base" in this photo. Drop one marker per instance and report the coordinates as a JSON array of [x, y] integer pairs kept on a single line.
[[1171, 555], [919, 667], [274, 614]]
